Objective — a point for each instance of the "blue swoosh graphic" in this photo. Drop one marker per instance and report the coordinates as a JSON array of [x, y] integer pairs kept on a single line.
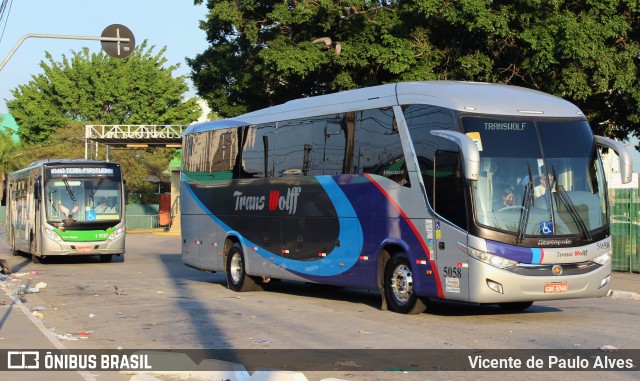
[[340, 259]]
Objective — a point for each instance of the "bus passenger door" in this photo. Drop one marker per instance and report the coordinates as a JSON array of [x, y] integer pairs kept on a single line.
[[450, 227]]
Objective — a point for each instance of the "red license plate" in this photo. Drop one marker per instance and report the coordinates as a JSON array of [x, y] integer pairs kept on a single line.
[[84, 249], [556, 287]]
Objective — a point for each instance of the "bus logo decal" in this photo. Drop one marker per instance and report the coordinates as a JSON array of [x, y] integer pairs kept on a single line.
[[288, 203], [274, 196]]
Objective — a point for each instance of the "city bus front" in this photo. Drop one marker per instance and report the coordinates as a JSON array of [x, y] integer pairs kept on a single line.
[[538, 222], [83, 210]]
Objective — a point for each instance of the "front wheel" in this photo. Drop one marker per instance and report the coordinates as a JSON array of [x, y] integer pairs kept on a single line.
[[237, 278], [398, 286]]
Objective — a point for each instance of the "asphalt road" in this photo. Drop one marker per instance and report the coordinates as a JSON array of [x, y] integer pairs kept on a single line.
[[149, 300]]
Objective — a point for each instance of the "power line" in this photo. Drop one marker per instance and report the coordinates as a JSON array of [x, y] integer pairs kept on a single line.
[[3, 8]]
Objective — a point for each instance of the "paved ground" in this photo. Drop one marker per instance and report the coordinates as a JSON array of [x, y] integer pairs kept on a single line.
[[19, 329]]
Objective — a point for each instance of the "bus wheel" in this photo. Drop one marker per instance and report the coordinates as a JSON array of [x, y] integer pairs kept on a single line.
[[398, 286], [105, 258], [515, 306], [237, 278]]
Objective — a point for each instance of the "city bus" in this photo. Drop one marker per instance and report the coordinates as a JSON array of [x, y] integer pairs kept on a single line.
[[66, 207], [424, 191]]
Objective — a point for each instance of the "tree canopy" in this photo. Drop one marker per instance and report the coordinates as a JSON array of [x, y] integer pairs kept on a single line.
[[52, 109], [98, 89], [10, 157], [263, 53]]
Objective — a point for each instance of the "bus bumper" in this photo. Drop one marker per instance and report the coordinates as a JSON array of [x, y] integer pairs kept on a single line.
[[114, 247], [489, 284]]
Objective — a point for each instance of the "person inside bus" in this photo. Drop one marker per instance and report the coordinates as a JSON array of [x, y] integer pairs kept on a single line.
[[541, 188], [103, 207], [508, 198]]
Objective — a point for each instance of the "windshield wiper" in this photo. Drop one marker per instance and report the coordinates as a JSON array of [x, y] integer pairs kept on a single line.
[[526, 207], [66, 184], [571, 207], [51, 201], [93, 191]]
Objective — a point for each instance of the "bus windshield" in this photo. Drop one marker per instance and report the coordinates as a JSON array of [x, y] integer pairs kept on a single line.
[[86, 200], [537, 178]]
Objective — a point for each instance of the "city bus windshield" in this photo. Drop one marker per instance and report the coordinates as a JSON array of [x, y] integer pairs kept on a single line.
[[88, 199], [537, 178]]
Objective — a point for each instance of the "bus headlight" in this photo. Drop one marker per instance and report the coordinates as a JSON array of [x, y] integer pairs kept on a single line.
[[491, 259], [116, 234], [51, 234], [602, 259]]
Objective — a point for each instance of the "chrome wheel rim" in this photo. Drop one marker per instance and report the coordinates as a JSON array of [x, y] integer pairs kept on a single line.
[[235, 268], [402, 284]]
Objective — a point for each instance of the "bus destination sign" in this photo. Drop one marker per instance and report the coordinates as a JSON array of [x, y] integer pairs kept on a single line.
[[80, 171]]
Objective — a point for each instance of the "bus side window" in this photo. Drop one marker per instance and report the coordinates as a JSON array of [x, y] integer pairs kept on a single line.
[[378, 145], [448, 191]]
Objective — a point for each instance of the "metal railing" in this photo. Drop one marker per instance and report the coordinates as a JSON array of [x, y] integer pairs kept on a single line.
[[137, 222]]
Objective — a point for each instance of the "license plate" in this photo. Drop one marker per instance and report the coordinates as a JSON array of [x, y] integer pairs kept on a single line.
[[84, 249], [556, 287]]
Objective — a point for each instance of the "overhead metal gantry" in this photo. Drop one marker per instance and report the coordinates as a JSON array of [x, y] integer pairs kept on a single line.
[[130, 136]]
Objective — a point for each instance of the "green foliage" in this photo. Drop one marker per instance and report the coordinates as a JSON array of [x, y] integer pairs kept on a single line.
[[11, 157], [98, 89], [261, 52], [52, 109]]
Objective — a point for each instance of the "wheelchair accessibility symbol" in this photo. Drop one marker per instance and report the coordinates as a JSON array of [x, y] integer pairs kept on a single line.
[[90, 215], [546, 228]]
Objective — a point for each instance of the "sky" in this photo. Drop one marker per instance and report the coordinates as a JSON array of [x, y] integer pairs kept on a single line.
[[170, 23]]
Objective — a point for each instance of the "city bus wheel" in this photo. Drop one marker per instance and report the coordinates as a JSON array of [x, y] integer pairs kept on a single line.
[[237, 278], [398, 286], [515, 306], [105, 258]]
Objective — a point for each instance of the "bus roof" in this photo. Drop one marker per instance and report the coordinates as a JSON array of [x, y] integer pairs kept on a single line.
[[468, 97]]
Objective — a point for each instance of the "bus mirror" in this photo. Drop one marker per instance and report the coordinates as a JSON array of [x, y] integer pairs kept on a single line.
[[36, 190], [470, 153], [626, 163]]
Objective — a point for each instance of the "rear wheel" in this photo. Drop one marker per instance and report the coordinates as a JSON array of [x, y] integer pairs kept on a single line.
[[237, 278], [515, 306], [398, 286]]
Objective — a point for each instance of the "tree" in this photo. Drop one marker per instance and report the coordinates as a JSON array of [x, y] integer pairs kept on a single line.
[[10, 159], [263, 52], [98, 89]]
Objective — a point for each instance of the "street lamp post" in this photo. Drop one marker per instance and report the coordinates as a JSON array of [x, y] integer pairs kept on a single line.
[[117, 41]]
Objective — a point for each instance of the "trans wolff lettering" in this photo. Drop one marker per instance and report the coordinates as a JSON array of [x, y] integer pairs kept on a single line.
[[288, 203]]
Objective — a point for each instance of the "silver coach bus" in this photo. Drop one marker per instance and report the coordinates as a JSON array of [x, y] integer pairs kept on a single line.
[[444, 190]]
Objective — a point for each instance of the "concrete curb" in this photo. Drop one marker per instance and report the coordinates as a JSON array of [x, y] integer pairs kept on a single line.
[[625, 295]]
